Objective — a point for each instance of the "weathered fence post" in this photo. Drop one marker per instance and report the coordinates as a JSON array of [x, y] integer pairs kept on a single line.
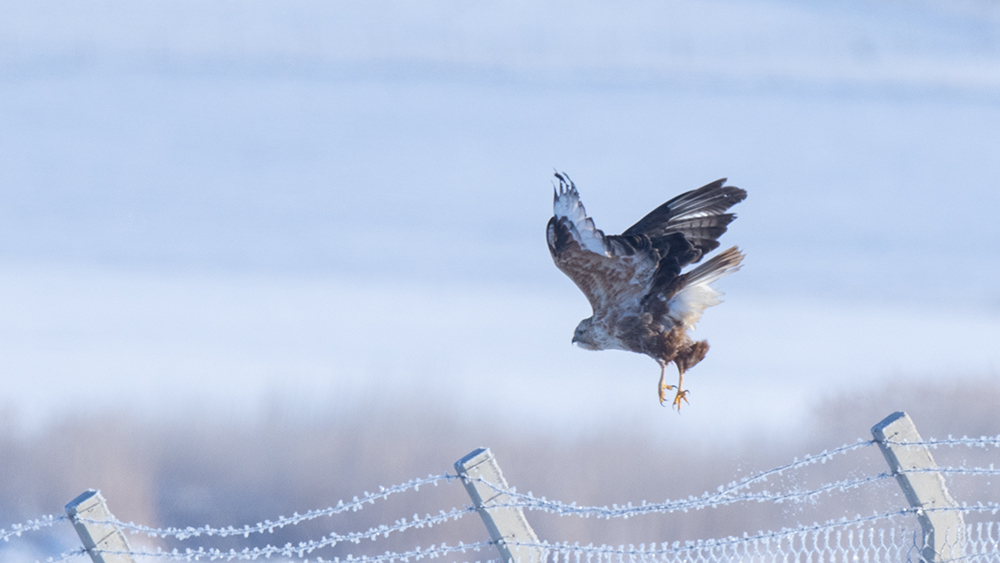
[[944, 530], [506, 524], [105, 543]]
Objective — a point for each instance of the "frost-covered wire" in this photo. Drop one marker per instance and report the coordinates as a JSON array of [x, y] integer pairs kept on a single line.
[[373, 533], [822, 457], [675, 547], [269, 526], [980, 442], [991, 507], [289, 551], [955, 470], [707, 500], [731, 494], [724, 495], [30, 526]]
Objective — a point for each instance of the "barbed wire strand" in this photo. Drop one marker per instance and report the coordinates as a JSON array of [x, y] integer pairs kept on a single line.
[[677, 547], [991, 507], [267, 526], [527, 501], [822, 457], [288, 551], [708, 500], [331, 540], [956, 470], [980, 442], [30, 526], [725, 495]]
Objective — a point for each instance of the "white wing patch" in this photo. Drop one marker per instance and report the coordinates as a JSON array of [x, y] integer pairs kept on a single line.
[[567, 204]]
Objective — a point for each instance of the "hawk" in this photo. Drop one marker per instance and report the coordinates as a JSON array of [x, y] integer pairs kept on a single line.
[[641, 301]]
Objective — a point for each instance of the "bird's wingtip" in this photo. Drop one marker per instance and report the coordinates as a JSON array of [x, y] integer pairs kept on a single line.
[[566, 185]]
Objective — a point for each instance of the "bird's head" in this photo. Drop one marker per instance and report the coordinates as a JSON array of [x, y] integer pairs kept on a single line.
[[584, 335]]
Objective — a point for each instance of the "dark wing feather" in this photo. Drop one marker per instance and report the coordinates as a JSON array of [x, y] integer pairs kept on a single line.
[[699, 215], [686, 228]]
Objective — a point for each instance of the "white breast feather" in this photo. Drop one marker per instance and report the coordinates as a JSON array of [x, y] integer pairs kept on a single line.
[[568, 205]]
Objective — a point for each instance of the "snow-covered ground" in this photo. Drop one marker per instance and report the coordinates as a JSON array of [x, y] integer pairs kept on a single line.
[[236, 205]]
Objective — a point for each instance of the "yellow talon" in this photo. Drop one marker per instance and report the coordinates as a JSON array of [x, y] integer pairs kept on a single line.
[[681, 395], [663, 396]]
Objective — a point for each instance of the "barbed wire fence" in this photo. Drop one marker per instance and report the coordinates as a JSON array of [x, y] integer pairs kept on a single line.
[[931, 529]]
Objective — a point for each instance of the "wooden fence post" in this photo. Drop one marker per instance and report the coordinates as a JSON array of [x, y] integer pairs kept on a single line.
[[506, 524], [105, 543], [944, 530]]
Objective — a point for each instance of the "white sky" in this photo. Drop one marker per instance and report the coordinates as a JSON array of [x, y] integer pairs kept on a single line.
[[220, 205]]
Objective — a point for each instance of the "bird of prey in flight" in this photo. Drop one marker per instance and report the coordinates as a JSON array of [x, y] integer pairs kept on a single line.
[[642, 301]]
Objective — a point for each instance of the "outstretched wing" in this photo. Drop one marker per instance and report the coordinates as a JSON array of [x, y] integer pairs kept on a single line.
[[688, 226], [682, 231], [608, 270]]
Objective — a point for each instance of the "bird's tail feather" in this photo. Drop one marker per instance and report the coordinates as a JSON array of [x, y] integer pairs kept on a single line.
[[721, 265], [696, 294]]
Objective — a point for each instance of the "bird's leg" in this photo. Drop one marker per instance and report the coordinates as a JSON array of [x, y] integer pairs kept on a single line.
[[660, 388], [681, 392]]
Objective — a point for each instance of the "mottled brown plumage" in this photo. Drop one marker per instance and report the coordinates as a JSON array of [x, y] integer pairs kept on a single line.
[[642, 302]]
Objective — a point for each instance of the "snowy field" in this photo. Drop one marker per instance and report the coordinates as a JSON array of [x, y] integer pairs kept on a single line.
[[235, 207]]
